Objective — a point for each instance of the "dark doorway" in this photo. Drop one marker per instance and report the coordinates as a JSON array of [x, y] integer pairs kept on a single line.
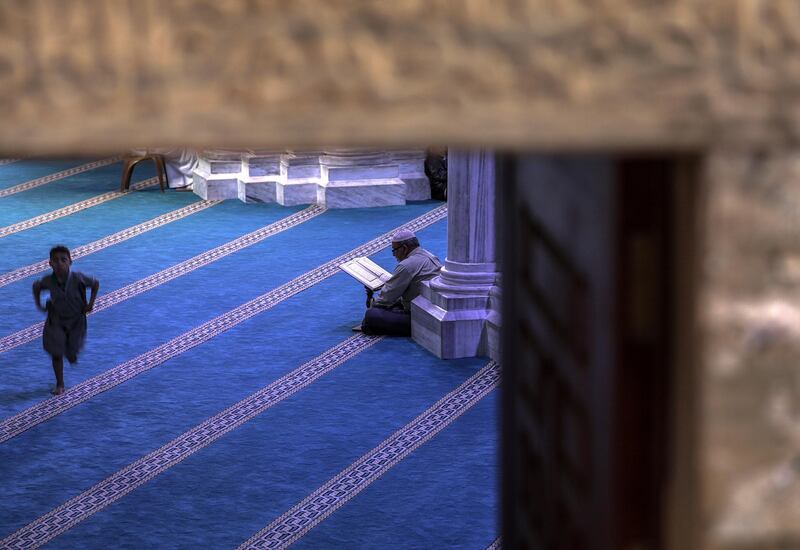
[[595, 260]]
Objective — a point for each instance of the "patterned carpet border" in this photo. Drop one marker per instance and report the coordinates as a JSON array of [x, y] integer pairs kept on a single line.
[[323, 502], [8, 161], [57, 176], [71, 209], [496, 545], [54, 406], [119, 484], [34, 331], [110, 240]]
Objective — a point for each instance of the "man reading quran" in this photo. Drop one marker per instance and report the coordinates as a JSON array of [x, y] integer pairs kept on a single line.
[[390, 312]]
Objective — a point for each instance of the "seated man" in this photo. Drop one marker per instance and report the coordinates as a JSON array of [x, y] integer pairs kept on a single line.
[[390, 312], [179, 165]]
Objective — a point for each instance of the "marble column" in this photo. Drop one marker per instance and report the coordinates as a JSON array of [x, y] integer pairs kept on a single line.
[[262, 172], [354, 178], [457, 314]]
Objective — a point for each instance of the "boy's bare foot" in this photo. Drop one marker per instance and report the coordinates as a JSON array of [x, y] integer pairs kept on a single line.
[[58, 390]]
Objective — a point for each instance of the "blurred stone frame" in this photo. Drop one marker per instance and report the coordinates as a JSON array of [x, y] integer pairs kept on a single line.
[[714, 77]]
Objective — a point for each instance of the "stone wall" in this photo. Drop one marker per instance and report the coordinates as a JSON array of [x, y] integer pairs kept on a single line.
[[104, 75], [751, 314]]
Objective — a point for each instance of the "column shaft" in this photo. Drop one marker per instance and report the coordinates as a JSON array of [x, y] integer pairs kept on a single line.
[[449, 317]]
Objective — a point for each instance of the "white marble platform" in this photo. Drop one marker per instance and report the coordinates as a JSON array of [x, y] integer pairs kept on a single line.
[[362, 173], [217, 175], [417, 189], [305, 165], [261, 189], [297, 191], [337, 178], [304, 174], [261, 173], [221, 163], [215, 186], [361, 193], [273, 165], [411, 167]]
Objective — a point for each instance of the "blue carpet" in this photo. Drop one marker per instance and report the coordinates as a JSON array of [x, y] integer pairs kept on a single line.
[[60, 193], [442, 495], [85, 226], [135, 326], [148, 253], [22, 171]]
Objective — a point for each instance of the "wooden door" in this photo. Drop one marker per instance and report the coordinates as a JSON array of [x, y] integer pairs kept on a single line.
[[588, 261]]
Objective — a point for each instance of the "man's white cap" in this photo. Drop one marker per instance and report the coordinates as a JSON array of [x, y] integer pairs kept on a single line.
[[402, 235]]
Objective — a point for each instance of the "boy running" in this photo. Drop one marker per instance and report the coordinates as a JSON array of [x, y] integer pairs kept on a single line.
[[66, 308]]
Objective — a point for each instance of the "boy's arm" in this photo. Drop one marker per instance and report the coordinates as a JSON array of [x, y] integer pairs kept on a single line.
[[95, 288], [37, 293]]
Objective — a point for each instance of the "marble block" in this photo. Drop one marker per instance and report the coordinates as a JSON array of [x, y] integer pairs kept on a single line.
[[220, 163], [261, 189], [297, 191], [304, 165], [417, 189], [366, 172], [303, 176], [449, 333], [361, 193], [256, 166], [261, 172], [411, 167], [215, 186], [305, 171], [217, 174], [492, 343]]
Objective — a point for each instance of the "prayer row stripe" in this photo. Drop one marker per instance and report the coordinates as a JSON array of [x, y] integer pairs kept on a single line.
[[332, 495], [496, 545], [148, 283], [119, 484], [87, 389], [57, 176], [72, 208], [7, 161], [110, 240]]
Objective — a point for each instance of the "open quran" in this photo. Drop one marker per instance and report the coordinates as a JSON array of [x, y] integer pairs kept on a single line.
[[366, 272]]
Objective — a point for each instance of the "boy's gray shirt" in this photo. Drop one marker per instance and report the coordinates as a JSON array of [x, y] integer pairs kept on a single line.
[[70, 301], [405, 282]]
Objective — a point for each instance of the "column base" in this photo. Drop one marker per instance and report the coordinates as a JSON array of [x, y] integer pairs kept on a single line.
[[452, 325], [493, 324]]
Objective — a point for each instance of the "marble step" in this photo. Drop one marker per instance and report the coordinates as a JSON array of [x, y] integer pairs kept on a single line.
[[361, 193]]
